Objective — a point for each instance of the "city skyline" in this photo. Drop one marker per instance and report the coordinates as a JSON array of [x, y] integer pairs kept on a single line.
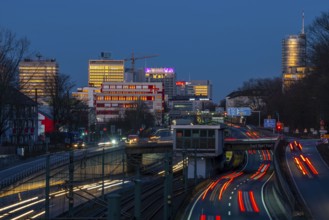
[[226, 43]]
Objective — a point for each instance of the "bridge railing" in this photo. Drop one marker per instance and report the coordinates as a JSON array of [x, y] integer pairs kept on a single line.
[[28, 172]]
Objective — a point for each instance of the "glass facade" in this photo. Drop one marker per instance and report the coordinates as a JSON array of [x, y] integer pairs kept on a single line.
[[105, 71], [293, 59], [293, 52], [40, 75], [201, 90]]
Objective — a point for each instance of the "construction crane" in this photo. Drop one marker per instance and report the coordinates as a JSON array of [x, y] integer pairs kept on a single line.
[[133, 59]]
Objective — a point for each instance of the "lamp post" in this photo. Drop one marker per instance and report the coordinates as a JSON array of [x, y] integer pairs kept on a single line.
[[258, 117]]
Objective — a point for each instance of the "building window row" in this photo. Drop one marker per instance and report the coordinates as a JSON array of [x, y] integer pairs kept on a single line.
[[125, 98], [116, 105], [145, 87], [107, 112]]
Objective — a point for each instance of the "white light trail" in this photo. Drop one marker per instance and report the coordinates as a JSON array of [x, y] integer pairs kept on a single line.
[[20, 216], [19, 203]]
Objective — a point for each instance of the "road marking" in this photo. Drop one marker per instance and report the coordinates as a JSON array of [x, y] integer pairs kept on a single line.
[[229, 204], [232, 192], [229, 213], [230, 197], [262, 195], [189, 216]]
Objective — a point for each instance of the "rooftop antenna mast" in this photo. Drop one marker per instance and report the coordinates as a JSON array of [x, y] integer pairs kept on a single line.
[[303, 25]]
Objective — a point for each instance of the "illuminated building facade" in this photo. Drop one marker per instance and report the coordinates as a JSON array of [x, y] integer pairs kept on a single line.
[[167, 76], [105, 71], [181, 88], [115, 98], [294, 65], [194, 89], [202, 88], [86, 94], [293, 52], [38, 75], [294, 74]]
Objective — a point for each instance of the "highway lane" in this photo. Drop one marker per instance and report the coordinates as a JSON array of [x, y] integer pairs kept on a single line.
[[312, 184], [237, 194]]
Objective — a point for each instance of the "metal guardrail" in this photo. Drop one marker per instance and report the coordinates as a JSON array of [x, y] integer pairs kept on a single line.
[[284, 184], [281, 181]]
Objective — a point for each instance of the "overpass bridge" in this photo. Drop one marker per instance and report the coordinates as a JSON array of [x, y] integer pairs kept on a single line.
[[246, 144], [99, 164], [229, 145]]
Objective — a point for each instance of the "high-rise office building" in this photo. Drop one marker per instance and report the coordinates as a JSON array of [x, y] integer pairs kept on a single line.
[[294, 65], [194, 89], [293, 52], [38, 77], [165, 75], [105, 70], [201, 88]]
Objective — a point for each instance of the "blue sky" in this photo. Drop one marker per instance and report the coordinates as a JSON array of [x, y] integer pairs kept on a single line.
[[227, 42]]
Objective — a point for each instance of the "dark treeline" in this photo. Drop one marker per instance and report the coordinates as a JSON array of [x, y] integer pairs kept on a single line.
[[306, 102]]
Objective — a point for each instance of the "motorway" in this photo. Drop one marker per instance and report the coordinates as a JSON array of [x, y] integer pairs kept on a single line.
[[311, 177], [237, 194]]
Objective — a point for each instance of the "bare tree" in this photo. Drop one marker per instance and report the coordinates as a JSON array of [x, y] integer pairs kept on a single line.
[[138, 116], [12, 50], [318, 43], [59, 89]]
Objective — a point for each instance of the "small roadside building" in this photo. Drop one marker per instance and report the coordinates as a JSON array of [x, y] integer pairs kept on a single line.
[[201, 144]]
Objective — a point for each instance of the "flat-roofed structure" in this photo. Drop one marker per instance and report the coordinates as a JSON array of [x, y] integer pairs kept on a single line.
[[37, 78], [200, 144], [167, 76], [105, 71], [199, 140], [115, 97]]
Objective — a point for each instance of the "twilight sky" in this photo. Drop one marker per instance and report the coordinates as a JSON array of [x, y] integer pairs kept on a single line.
[[227, 42]]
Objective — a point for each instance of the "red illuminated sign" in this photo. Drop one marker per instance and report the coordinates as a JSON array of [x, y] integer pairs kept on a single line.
[[180, 83]]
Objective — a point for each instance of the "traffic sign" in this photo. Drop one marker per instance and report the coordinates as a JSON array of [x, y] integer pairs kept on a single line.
[[241, 111], [269, 123], [244, 111], [232, 111]]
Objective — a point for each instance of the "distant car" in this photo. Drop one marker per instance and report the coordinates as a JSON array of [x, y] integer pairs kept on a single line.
[[104, 142], [78, 144], [161, 135], [114, 140], [109, 141], [132, 139]]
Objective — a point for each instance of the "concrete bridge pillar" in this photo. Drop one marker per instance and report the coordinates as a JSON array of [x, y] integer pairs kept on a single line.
[[134, 162]]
